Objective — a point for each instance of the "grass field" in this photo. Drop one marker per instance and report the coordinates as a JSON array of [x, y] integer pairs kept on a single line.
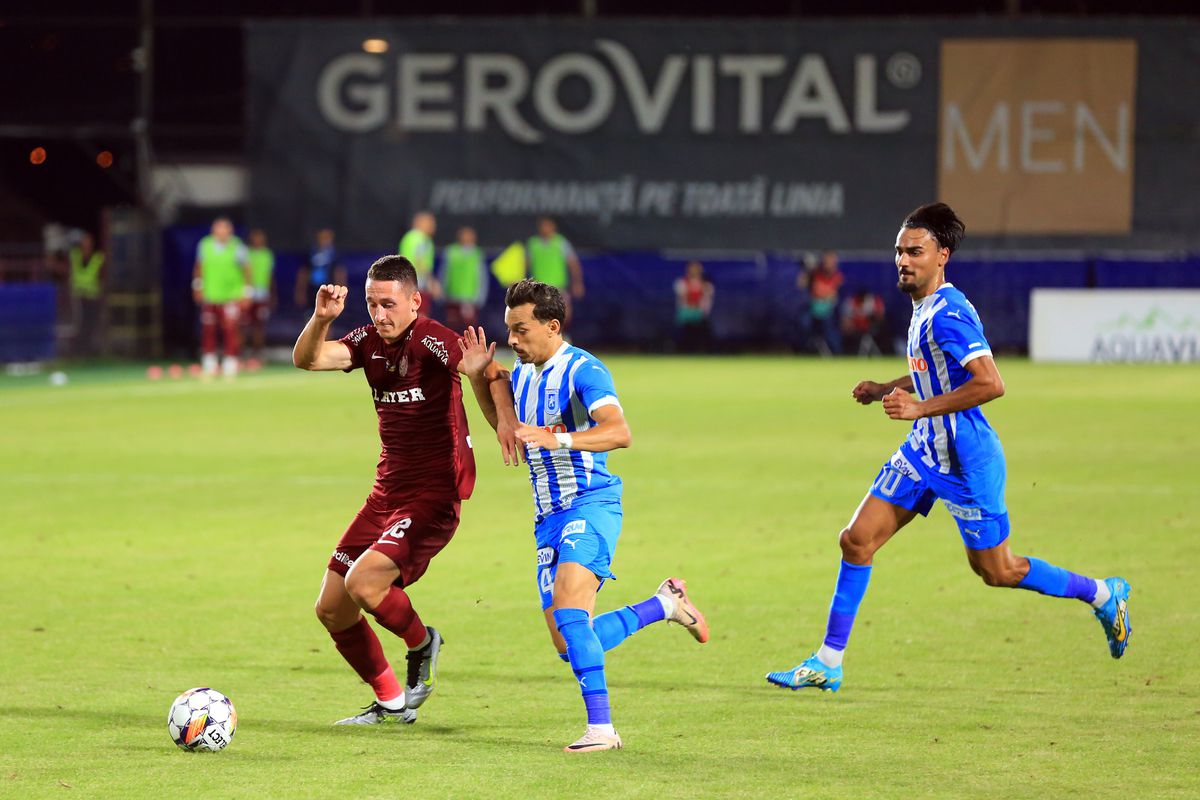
[[159, 536]]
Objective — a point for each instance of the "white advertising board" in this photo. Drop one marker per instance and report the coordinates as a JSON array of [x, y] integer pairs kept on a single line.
[[1115, 325]]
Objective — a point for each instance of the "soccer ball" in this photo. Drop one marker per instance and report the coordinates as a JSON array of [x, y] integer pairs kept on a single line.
[[202, 719]]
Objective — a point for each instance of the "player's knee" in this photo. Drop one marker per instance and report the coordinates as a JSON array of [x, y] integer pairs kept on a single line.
[[363, 590], [1003, 575], [855, 549], [330, 616]]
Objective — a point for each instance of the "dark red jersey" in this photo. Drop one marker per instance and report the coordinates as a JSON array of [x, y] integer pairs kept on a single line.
[[422, 422]]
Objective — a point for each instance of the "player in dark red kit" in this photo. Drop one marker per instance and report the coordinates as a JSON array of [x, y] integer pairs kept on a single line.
[[426, 470]]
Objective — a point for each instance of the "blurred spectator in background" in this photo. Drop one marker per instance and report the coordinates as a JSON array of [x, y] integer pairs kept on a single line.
[[323, 267], [221, 286], [417, 247], [86, 277], [552, 260], [464, 279], [862, 320], [823, 282], [693, 306], [262, 282]]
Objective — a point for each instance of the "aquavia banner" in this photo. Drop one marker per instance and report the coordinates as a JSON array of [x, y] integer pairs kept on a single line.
[[731, 135]]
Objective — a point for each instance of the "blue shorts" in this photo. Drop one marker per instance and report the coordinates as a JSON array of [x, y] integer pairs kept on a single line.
[[584, 535], [975, 498]]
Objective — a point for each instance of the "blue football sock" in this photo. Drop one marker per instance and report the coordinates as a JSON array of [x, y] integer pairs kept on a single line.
[[618, 625], [851, 586], [1055, 581], [587, 662]]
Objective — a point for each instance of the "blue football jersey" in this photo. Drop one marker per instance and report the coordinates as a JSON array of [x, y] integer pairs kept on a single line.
[[944, 336], [561, 397]]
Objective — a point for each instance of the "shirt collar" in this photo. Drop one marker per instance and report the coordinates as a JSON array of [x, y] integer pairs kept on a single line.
[[932, 296], [554, 359]]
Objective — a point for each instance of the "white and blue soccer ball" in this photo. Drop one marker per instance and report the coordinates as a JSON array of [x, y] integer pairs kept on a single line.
[[202, 719]]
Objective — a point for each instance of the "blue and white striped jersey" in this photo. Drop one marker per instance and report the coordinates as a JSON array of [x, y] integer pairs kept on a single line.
[[561, 397], [944, 336]]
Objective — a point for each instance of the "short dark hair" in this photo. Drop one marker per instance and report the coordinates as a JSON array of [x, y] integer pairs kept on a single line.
[[393, 268], [942, 223], [547, 301]]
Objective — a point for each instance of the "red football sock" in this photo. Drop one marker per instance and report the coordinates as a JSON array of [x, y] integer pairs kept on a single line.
[[359, 645], [397, 615]]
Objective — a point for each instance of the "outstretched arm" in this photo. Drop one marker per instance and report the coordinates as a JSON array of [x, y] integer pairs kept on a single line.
[[611, 432], [985, 384], [493, 391], [867, 392], [312, 350]]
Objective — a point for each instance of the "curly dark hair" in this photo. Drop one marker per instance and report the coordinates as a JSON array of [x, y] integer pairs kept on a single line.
[[942, 223]]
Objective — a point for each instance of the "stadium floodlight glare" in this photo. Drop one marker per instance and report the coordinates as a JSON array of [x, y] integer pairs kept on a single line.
[[375, 45]]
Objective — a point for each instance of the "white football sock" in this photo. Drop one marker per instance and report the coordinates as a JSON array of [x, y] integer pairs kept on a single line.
[[607, 729], [209, 363], [829, 657], [1102, 594], [668, 604], [229, 366], [395, 704]]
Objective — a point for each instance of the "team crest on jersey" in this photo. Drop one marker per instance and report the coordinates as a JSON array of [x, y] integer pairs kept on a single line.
[[552, 403], [401, 368]]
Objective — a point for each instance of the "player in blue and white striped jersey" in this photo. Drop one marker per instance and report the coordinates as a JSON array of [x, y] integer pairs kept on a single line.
[[569, 419], [951, 454]]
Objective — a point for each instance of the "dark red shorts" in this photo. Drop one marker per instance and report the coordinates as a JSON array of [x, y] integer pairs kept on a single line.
[[410, 534]]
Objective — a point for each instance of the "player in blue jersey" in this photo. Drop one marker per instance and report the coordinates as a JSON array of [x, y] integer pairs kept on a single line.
[[570, 418], [951, 454]]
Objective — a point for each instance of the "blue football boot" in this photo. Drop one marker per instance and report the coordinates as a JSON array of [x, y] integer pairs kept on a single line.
[[812, 674], [1114, 616]]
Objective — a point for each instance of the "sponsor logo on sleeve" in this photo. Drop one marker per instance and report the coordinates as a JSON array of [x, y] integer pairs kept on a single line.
[[437, 347]]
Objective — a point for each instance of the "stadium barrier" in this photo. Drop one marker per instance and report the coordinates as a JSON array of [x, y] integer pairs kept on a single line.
[[28, 315], [630, 300]]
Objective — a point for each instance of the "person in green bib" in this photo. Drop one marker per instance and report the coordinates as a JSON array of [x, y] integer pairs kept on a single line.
[[222, 286], [464, 279], [262, 285], [552, 260], [417, 247], [87, 271]]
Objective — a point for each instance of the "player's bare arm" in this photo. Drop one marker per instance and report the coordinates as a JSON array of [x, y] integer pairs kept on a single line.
[[867, 392], [985, 384], [493, 391], [313, 351], [611, 432]]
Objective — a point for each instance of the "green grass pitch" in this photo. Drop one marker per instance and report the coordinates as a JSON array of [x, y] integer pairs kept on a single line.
[[159, 536]]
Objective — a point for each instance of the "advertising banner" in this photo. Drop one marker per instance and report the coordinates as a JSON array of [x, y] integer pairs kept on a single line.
[[1115, 325], [759, 135]]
